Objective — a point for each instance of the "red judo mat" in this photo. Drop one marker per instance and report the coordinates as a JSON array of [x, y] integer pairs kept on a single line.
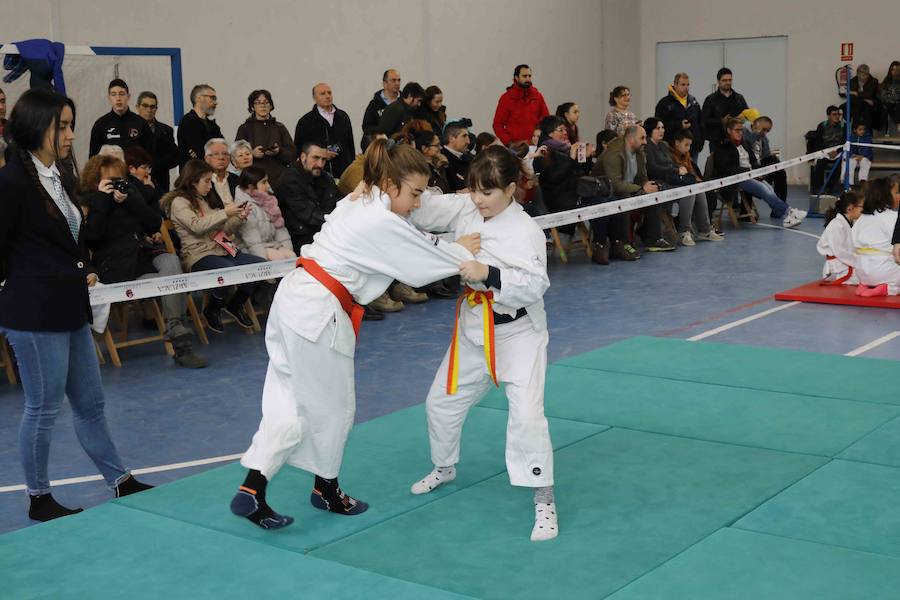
[[836, 294]]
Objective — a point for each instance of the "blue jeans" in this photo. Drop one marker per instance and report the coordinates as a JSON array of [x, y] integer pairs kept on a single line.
[[53, 365], [208, 263], [764, 192]]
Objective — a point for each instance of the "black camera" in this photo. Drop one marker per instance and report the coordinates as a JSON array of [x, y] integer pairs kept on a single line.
[[119, 184]]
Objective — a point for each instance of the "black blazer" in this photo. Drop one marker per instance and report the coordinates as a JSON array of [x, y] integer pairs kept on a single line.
[[45, 269], [312, 127]]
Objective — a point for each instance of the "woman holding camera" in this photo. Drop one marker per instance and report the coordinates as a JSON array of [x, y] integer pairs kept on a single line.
[[45, 309], [273, 148], [123, 231]]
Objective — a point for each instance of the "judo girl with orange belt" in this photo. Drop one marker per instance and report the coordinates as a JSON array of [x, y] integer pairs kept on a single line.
[[308, 400], [500, 334]]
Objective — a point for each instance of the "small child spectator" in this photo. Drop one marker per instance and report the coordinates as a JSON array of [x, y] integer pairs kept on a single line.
[[263, 234], [860, 156]]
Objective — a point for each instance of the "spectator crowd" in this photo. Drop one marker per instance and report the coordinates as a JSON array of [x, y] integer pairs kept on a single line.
[[263, 193]]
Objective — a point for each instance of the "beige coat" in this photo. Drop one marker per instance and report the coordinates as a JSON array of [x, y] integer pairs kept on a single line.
[[196, 229]]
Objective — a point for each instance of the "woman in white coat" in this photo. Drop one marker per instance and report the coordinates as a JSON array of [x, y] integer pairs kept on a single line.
[[878, 272], [836, 243], [308, 399], [263, 234]]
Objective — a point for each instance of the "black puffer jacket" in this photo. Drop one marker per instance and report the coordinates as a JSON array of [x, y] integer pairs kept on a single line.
[[716, 107], [559, 175], [304, 201]]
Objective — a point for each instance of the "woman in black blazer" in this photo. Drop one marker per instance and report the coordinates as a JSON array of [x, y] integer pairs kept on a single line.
[[44, 305]]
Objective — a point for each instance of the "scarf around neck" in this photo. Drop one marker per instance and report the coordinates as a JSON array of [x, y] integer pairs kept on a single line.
[[269, 204]]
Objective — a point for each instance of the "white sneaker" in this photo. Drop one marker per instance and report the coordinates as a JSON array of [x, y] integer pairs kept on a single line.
[[793, 218], [710, 236], [433, 480], [545, 522], [801, 214], [687, 239]]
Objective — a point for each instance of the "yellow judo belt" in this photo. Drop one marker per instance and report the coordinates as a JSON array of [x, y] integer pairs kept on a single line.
[[871, 251], [486, 300]]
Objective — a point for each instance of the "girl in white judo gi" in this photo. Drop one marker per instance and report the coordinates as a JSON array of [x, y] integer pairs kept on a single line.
[[308, 398], [878, 272], [836, 243], [500, 335]]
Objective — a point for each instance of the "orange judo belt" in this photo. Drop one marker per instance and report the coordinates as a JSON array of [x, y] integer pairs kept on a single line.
[[353, 310], [486, 300], [839, 280]]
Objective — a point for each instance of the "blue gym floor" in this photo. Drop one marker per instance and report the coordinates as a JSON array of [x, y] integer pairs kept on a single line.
[[161, 414]]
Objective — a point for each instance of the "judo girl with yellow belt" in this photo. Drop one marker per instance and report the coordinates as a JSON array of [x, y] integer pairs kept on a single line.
[[500, 334]]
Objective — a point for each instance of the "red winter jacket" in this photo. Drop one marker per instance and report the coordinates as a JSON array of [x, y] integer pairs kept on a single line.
[[518, 113]]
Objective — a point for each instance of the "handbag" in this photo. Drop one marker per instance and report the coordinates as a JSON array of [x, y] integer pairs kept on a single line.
[[590, 187]]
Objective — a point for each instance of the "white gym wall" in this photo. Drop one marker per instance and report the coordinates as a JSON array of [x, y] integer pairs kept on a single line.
[[579, 49]]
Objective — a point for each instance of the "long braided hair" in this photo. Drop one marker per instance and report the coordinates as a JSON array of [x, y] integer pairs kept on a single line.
[[35, 112]]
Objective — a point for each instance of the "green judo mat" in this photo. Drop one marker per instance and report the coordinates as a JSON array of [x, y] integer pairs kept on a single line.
[[683, 470]]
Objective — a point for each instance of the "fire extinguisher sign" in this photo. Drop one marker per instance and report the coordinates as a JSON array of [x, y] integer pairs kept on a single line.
[[847, 52]]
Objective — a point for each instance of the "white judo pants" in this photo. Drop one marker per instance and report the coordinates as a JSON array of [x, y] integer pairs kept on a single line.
[[864, 165], [875, 269], [521, 357], [308, 404]]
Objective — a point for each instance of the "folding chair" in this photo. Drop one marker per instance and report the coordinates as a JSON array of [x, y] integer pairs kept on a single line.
[[727, 198], [584, 239], [191, 305], [6, 361]]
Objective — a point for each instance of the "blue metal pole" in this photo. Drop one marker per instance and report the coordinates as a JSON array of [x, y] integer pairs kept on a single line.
[[846, 151]]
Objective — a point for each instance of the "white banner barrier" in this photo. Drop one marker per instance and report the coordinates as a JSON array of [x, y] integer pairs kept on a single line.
[[205, 280], [882, 146]]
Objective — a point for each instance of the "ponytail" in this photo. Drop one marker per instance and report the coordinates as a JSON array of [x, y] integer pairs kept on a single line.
[[394, 163], [846, 200]]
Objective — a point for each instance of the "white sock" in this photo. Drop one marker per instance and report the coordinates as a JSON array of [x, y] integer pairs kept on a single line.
[[438, 476], [546, 526]]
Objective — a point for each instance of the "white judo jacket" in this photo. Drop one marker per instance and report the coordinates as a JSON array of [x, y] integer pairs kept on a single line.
[[365, 264], [837, 241], [872, 244], [510, 241]]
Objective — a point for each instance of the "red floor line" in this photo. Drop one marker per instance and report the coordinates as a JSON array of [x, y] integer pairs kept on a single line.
[[715, 317]]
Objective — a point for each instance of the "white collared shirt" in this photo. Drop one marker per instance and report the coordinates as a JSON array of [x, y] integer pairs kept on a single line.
[[223, 189], [46, 175], [453, 152], [327, 115]]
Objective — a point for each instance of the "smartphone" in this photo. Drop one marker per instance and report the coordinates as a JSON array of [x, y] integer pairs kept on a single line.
[[582, 153]]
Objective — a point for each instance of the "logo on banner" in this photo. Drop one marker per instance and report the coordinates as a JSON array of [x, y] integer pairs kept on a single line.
[[220, 280], [263, 271], [129, 293], [176, 285], [847, 52]]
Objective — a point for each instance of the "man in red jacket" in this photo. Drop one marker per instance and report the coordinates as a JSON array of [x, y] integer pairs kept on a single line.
[[520, 108]]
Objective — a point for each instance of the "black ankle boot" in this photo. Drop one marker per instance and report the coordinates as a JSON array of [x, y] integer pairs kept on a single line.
[[44, 508], [213, 314], [235, 309]]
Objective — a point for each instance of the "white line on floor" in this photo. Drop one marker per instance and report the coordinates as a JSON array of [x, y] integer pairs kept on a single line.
[[740, 322], [791, 229], [873, 344], [160, 468]]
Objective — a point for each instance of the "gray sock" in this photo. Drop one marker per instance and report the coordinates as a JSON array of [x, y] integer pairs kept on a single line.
[[543, 495]]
